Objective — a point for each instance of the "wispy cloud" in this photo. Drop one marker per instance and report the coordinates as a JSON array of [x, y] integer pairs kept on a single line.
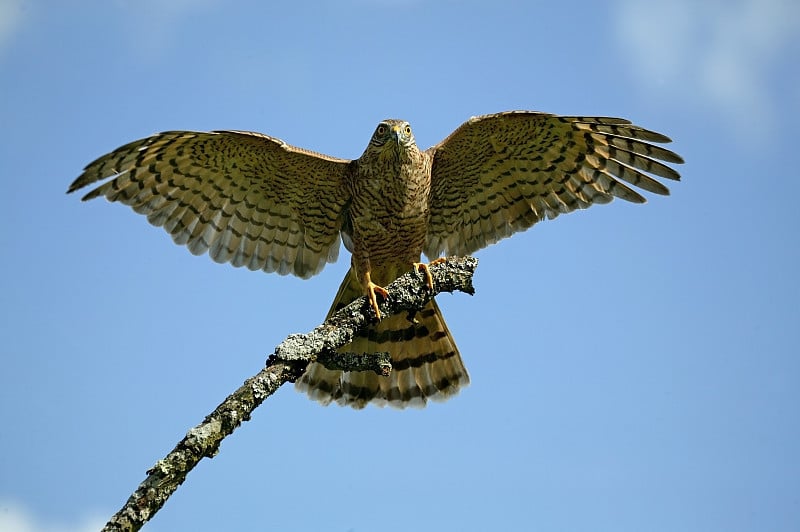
[[15, 518], [11, 17], [721, 54]]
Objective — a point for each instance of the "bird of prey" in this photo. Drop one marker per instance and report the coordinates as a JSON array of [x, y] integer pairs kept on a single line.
[[253, 200]]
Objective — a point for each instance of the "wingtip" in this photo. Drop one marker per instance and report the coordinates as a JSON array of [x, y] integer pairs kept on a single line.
[[75, 185], [78, 183]]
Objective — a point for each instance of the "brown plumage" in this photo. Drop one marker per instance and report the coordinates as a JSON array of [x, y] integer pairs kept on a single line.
[[255, 201]]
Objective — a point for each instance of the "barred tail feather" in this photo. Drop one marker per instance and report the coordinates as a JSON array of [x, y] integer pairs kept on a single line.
[[425, 360]]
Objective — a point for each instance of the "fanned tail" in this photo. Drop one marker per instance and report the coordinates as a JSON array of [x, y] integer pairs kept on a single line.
[[426, 364]]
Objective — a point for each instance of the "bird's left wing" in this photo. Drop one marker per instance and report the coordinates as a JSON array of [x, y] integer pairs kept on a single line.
[[245, 198], [499, 174]]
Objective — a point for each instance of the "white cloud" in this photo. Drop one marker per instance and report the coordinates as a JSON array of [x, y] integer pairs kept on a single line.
[[719, 54], [10, 20], [15, 518]]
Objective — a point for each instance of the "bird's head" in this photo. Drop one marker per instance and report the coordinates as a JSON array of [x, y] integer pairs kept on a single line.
[[392, 133]]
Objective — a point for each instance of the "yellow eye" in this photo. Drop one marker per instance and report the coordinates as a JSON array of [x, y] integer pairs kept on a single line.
[[408, 129], [381, 129]]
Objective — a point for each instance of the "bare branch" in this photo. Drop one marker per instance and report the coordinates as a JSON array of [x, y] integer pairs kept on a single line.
[[409, 293]]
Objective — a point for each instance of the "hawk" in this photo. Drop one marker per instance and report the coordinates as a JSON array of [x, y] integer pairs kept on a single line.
[[253, 200]]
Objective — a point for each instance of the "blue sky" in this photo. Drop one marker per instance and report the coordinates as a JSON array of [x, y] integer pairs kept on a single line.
[[633, 367]]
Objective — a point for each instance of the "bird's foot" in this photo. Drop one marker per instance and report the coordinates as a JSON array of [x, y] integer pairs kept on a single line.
[[425, 268], [372, 289]]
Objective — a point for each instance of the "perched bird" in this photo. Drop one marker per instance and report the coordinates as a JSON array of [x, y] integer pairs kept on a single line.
[[255, 201]]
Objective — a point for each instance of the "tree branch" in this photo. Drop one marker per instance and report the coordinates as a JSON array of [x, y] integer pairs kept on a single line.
[[408, 293]]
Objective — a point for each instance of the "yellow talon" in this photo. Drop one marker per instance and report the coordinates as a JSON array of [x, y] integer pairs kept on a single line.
[[425, 268], [422, 267], [371, 289]]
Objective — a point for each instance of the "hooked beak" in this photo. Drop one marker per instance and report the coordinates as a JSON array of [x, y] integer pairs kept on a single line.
[[397, 133]]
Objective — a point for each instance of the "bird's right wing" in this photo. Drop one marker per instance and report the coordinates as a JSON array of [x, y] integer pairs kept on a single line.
[[245, 198]]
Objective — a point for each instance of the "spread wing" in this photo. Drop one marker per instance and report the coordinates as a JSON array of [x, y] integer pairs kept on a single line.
[[243, 197], [499, 174]]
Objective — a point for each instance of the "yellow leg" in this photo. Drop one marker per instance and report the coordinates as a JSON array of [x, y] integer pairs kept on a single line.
[[422, 267], [371, 289]]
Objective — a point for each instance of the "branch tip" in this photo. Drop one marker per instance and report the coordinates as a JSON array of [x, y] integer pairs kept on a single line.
[[409, 293]]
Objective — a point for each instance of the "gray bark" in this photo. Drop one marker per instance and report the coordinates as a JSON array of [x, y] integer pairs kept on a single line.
[[409, 293]]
